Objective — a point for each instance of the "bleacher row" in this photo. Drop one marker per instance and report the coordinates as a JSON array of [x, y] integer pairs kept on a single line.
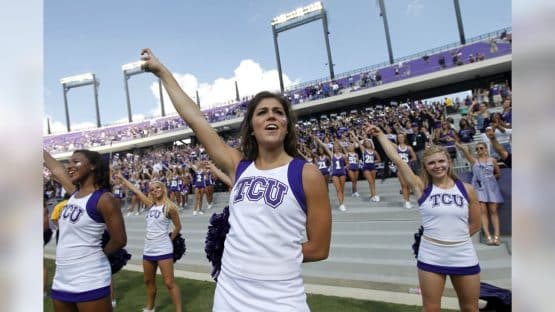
[[489, 46]]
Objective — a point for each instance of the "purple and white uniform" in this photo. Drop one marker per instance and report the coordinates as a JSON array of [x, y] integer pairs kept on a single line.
[[404, 153], [174, 184], [353, 161], [368, 161], [158, 245], [337, 166], [445, 218], [200, 179], [323, 165], [261, 263], [82, 269], [118, 191]]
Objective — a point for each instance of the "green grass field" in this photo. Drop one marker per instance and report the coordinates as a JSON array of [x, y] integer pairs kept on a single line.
[[197, 296]]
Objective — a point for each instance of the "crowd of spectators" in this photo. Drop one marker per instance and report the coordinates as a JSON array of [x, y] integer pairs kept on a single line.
[[423, 123], [492, 47]]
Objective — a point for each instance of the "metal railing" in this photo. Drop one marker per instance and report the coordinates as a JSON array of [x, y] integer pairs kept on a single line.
[[370, 68]]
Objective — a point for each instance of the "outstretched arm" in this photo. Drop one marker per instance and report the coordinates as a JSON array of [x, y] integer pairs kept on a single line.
[[324, 147], [466, 153], [58, 171], [496, 145], [391, 151], [224, 156], [147, 201]]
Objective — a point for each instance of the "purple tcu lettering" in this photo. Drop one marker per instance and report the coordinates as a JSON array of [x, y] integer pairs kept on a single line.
[[72, 213], [255, 188], [153, 213], [446, 199]]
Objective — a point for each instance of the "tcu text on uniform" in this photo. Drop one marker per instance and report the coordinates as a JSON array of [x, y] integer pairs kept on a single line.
[[255, 188], [447, 199], [72, 212]]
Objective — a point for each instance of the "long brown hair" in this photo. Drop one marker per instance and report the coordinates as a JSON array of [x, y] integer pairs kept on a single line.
[[249, 145], [433, 149]]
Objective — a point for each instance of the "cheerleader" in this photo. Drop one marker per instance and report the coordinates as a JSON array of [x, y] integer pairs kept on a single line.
[[407, 155], [450, 216], [276, 197], [199, 185], [83, 275], [369, 159], [338, 173], [353, 163], [158, 248]]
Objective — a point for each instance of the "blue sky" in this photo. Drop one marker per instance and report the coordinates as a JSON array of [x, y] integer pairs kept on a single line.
[[210, 44]]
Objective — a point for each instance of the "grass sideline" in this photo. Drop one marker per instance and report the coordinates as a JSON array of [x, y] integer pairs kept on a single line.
[[197, 296]]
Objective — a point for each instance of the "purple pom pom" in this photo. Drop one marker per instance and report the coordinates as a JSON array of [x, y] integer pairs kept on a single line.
[[215, 238]]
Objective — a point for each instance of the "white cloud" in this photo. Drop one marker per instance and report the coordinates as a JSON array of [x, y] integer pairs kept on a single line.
[[415, 8], [250, 76]]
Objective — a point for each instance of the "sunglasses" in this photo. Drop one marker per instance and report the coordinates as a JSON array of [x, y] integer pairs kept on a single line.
[[479, 148]]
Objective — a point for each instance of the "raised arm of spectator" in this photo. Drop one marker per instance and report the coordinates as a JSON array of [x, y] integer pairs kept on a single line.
[[343, 149], [224, 156], [58, 171], [470, 111], [466, 152], [390, 150], [354, 139], [142, 197], [496, 145], [323, 146]]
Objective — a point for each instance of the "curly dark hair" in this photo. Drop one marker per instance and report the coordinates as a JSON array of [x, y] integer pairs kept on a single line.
[[101, 166], [249, 145]]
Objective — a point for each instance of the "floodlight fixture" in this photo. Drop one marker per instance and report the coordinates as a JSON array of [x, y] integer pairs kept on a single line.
[[298, 13], [298, 17], [79, 81], [135, 68]]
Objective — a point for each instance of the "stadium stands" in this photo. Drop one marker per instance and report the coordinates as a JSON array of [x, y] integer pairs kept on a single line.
[[418, 65]]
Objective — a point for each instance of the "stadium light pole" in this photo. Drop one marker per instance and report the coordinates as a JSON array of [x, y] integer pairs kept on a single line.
[[386, 28], [459, 21], [236, 91], [298, 17], [131, 69], [79, 81]]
